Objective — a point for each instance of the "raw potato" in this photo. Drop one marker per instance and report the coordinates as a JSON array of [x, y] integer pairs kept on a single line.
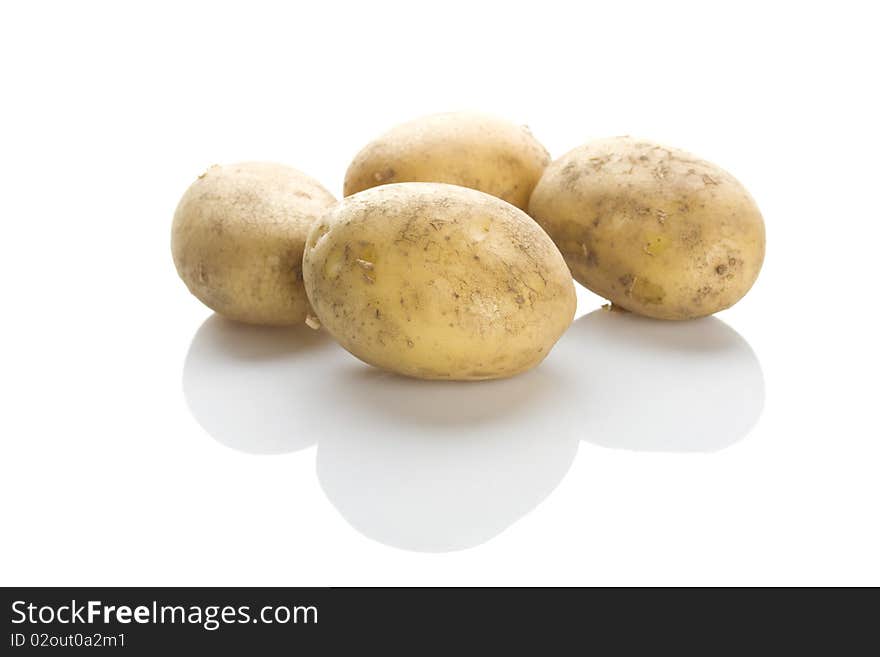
[[460, 148], [238, 237], [656, 230], [438, 281]]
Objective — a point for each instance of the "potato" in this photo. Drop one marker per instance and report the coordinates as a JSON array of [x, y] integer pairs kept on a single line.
[[238, 237], [656, 230], [438, 281], [461, 148]]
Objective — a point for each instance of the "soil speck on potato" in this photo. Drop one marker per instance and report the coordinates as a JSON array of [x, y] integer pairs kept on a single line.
[[384, 175]]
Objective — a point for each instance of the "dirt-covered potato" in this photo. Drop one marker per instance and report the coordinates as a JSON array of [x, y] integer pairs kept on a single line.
[[656, 230], [238, 237], [438, 281], [460, 148]]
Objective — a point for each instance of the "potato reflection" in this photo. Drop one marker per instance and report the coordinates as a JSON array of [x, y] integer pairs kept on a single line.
[[250, 386], [651, 385], [439, 466]]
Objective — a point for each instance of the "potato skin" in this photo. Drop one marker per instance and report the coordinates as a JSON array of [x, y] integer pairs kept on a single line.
[[438, 281], [238, 236], [656, 230], [460, 148]]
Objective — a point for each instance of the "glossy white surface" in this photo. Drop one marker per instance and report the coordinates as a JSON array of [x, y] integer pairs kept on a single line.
[[145, 441]]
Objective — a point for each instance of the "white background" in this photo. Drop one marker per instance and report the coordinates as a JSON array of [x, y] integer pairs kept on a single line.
[[742, 452]]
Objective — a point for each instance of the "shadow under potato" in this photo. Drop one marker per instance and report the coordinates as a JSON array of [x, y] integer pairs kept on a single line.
[[434, 406], [652, 385], [437, 466], [420, 465], [245, 385]]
